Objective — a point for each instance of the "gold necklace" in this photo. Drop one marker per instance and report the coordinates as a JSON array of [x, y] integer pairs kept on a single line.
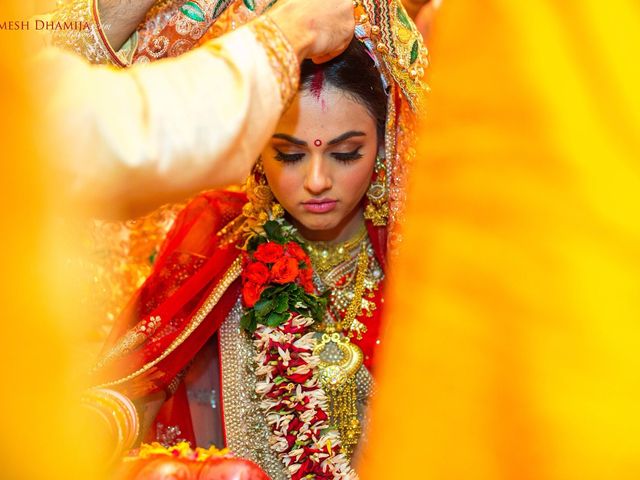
[[340, 360], [347, 299], [326, 256]]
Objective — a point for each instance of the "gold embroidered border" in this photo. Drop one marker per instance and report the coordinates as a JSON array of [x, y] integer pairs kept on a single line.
[[86, 37], [97, 22], [131, 340], [212, 300], [283, 59], [83, 41]]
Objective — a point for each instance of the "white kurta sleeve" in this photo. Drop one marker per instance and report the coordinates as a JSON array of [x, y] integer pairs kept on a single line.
[[157, 132]]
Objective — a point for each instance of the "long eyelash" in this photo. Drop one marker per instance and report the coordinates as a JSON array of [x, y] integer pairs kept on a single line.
[[288, 157], [348, 156]]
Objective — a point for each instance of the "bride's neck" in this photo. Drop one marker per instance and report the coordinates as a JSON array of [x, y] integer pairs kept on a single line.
[[345, 230]]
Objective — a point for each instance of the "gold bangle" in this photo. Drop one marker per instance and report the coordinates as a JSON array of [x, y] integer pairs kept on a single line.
[[283, 59], [119, 413]]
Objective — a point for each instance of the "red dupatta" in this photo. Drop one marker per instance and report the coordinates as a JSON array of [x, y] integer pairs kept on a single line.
[[181, 304]]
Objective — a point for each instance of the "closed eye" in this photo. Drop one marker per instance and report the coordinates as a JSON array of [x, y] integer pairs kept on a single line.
[[347, 156], [288, 157]]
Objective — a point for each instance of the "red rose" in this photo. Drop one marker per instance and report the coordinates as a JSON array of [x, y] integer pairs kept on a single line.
[[251, 293], [285, 270], [306, 280], [256, 272], [269, 252], [296, 251]]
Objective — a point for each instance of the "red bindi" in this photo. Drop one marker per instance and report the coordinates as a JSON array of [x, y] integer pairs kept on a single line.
[[317, 142]]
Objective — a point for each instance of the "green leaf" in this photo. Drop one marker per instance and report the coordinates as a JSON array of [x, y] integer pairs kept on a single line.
[[276, 319], [269, 292], [272, 228], [415, 48], [248, 322], [280, 288], [272, 292], [250, 4], [193, 11], [282, 303], [402, 16], [317, 305], [263, 307], [254, 242], [274, 231]]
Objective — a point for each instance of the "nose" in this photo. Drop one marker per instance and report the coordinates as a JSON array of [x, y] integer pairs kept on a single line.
[[318, 176]]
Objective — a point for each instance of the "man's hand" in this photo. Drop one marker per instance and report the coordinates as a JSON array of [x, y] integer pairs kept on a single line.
[[316, 29]]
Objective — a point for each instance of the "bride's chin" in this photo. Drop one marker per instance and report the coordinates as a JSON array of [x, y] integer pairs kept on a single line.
[[316, 224], [319, 225]]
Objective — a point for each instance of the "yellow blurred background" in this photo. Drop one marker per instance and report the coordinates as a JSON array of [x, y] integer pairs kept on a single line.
[[514, 346], [42, 433]]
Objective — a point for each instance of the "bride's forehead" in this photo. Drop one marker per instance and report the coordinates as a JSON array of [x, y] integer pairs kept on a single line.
[[328, 106]]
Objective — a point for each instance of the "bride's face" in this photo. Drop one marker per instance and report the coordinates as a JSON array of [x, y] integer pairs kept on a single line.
[[320, 160]]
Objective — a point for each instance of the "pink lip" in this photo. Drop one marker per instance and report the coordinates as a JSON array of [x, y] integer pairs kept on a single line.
[[322, 205]]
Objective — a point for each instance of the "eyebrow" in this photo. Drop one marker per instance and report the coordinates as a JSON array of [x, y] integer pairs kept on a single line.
[[338, 139], [290, 139], [346, 136]]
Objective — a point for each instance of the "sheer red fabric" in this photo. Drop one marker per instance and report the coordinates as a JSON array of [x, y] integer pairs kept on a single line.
[[148, 346]]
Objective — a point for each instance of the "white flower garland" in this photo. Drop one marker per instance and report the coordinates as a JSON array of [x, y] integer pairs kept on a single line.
[[295, 405]]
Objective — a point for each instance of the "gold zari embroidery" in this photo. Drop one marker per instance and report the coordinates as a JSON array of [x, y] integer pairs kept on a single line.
[[283, 59], [86, 42], [212, 300]]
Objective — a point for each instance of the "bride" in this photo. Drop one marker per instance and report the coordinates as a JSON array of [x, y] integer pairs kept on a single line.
[[259, 326]]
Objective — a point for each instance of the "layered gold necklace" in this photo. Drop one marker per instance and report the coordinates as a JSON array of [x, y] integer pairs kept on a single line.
[[326, 256], [349, 271]]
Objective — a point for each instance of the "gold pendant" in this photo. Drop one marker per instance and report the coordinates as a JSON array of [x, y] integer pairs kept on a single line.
[[340, 361]]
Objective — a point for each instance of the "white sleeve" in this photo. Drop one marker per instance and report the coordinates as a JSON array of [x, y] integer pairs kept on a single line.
[[157, 132]]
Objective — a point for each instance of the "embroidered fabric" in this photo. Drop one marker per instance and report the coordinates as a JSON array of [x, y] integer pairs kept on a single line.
[[86, 41], [284, 62]]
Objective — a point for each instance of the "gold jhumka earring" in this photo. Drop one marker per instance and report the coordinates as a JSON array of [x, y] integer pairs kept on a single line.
[[262, 205], [378, 208]]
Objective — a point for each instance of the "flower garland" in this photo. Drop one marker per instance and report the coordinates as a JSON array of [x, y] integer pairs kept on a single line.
[[281, 305]]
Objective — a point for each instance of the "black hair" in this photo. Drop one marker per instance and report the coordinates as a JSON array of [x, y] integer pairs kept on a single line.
[[354, 73]]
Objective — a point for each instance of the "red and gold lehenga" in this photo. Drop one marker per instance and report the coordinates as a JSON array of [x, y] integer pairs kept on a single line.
[[181, 332]]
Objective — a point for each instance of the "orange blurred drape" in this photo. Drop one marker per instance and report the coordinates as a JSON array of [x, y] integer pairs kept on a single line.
[[42, 431], [514, 345]]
